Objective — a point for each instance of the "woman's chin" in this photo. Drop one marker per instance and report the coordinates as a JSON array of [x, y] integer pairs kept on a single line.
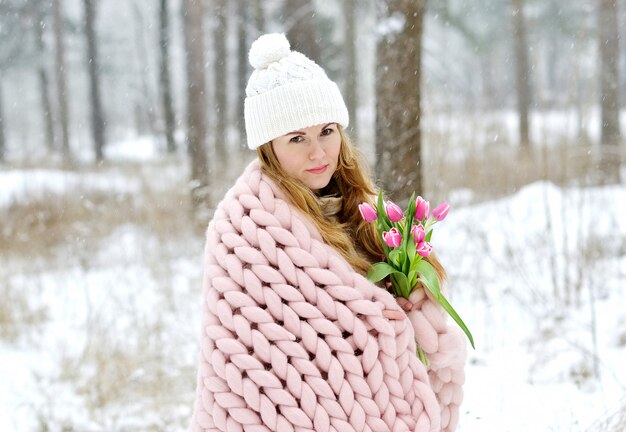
[[317, 183]]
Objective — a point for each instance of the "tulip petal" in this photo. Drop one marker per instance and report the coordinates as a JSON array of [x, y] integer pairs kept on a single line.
[[422, 208], [441, 211], [368, 213], [418, 233], [394, 212], [424, 249]]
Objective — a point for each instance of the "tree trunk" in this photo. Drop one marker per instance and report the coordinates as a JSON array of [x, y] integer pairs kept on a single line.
[[243, 19], [221, 83], [350, 43], [62, 96], [301, 29], [553, 60], [522, 71], [608, 35], [3, 145], [398, 111], [196, 105], [39, 19], [97, 113], [259, 16], [144, 112], [242, 69], [164, 77]]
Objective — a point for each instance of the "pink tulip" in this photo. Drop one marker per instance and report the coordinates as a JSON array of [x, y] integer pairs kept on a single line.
[[393, 211], [368, 213], [418, 233], [392, 238], [422, 208], [424, 249], [441, 211]]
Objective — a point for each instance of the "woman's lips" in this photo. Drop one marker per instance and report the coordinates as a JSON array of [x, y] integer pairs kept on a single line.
[[318, 170]]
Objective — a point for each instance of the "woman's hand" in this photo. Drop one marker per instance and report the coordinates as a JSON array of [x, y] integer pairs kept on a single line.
[[393, 314], [414, 302]]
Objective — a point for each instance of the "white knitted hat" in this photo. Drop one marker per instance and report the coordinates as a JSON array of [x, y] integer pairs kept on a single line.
[[287, 91]]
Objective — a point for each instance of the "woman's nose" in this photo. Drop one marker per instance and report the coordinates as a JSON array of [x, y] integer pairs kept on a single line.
[[317, 151]]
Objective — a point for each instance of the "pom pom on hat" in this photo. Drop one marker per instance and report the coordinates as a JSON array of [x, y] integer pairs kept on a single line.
[[268, 49], [293, 93]]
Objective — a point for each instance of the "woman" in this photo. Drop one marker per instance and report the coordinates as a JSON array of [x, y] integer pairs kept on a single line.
[[294, 336]]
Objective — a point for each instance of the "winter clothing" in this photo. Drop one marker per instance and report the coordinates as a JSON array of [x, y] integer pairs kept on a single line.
[[286, 92], [294, 339]]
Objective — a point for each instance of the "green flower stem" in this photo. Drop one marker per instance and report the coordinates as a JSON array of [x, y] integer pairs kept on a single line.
[[422, 355], [431, 282]]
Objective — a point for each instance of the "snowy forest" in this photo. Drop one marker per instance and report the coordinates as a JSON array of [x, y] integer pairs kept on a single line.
[[121, 127]]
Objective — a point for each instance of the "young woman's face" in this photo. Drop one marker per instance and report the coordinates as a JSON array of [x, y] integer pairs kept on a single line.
[[310, 154]]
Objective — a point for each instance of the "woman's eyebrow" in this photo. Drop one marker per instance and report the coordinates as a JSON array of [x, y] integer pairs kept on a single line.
[[304, 133]]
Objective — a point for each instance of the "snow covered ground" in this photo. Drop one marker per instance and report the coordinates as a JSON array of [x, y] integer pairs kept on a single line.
[[105, 339], [540, 364]]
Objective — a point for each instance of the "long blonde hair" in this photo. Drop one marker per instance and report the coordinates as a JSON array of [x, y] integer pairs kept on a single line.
[[356, 240]]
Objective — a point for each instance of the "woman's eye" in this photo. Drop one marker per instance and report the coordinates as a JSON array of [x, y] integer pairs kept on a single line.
[[327, 131], [297, 139]]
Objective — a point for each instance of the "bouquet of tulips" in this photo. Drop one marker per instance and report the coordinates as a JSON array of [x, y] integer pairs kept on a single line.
[[406, 239]]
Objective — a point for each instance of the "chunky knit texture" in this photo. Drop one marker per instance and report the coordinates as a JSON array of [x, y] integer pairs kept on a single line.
[[295, 340]]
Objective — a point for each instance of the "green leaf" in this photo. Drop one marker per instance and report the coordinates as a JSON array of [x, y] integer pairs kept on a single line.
[[422, 355], [400, 284], [428, 275], [412, 253], [382, 214], [416, 259], [429, 234], [379, 271], [405, 264], [394, 254], [410, 213]]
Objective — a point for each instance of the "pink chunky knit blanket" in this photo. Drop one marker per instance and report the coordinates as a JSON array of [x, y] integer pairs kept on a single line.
[[293, 339]]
